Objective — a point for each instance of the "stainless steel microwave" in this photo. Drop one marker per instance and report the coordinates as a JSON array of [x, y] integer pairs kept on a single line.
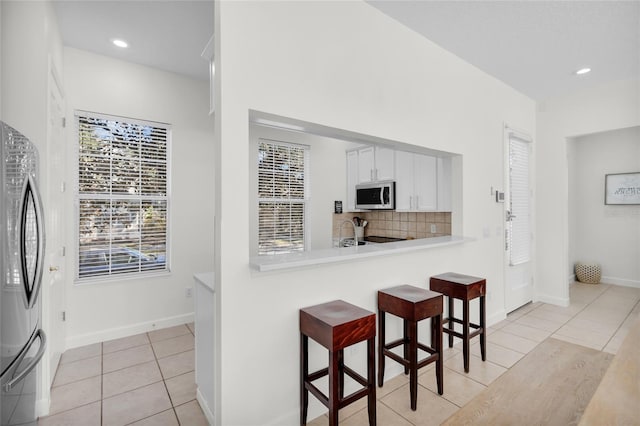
[[379, 195]]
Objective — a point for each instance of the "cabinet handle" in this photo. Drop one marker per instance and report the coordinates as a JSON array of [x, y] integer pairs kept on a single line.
[[410, 202], [376, 173]]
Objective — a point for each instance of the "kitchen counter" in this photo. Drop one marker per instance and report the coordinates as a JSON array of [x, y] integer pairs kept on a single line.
[[206, 279], [318, 257]]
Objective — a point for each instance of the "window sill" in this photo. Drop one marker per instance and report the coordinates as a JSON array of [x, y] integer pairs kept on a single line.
[[117, 278], [332, 255]]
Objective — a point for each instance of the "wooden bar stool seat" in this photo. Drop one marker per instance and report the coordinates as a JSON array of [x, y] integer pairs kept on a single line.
[[412, 304], [336, 325], [465, 288]]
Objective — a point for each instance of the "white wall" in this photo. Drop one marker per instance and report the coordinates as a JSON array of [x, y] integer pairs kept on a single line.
[[606, 107], [348, 66], [607, 234], [24, 68], [117, 308]]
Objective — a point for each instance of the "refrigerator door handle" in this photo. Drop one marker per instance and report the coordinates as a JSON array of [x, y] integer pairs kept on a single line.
[[30, 192], [36, 359]]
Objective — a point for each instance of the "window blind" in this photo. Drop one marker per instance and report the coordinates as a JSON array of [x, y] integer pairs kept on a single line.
[[519, 199], [122, 193], [282, 196]]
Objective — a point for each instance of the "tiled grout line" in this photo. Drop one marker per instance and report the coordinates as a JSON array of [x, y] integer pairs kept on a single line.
[[600, 294], [102, 374], [621, 324], [164, 382]]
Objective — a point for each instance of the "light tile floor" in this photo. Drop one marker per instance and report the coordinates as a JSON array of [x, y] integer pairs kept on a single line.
[[598, 317], [146, 379]]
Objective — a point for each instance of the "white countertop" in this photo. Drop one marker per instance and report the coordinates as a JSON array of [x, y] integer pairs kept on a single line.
[[318, 257], [207, 279]]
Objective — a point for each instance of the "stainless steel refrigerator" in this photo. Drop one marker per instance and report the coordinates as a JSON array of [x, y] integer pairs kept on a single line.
[[22, 341]]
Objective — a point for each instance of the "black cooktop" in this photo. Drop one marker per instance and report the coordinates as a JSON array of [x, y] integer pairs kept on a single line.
[[374, 239]]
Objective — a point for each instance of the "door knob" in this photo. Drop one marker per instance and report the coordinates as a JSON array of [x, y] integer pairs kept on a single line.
[[53, 268]]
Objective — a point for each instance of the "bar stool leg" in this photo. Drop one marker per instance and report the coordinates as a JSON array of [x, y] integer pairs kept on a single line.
[[483, 325], [407, 343], [333, 387], [465, 334], [371, 378], [437, 328], [304, 373], [450, 321], [381, 344], [341, 373], [413, 363]]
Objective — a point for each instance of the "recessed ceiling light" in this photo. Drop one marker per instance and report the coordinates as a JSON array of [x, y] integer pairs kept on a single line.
[[120, 43], [583, 71]]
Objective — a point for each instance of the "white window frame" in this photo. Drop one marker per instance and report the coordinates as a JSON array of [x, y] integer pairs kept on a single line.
[[111, 276], [305, 201]]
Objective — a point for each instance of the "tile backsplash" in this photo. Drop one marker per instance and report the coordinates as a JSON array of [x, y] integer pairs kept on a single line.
[[397, 224]]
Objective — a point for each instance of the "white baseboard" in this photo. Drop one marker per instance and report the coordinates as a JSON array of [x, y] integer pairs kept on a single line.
[[42, 407], [125, 331], [208, 412], [496, 318], [552, 300], [620, 281]]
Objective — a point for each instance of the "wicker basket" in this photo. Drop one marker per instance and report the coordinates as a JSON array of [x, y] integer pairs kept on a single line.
[[589, 273]]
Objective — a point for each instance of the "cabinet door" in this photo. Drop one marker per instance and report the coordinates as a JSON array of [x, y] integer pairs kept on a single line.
[[425, 182], [404, 180], [384, 163], [352, 180], [366, 165], [444, 184]]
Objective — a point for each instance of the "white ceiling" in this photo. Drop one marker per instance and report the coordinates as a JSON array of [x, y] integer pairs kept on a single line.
[[533, 46], [168, 35]]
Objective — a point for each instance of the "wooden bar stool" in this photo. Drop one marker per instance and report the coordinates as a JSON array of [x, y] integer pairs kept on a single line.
[[336, 325], [412, 304], [465, 288]]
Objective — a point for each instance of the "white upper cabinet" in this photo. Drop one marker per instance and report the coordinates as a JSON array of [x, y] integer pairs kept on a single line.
[[423, 182], [385, 164], [366, 164], [352, 180], [416, 182], [444, 184], [375, 163]]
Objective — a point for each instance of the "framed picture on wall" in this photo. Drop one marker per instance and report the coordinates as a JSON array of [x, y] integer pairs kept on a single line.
[[622, 188]]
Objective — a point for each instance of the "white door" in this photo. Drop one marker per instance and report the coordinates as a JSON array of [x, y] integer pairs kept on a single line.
[[54, 277], [517, 211]]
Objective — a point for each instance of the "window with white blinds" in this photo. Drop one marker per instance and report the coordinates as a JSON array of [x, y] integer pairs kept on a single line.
[[519, 228], [122, 196], [283, 193]]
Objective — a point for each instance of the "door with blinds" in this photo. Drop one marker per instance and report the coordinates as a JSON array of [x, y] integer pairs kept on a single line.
[[517, 213]]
